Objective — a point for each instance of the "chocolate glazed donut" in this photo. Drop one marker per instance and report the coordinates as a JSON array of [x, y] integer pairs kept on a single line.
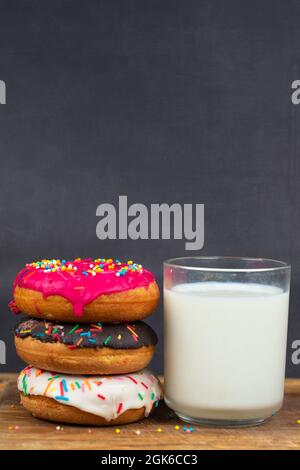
[[117, 348]]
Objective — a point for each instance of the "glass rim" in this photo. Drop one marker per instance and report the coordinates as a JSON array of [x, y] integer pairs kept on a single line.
[[277, 265]]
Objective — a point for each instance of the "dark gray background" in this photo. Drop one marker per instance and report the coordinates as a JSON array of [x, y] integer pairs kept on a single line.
[[165, 101]]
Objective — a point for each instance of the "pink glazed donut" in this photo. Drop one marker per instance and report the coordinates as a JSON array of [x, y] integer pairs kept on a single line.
[[85, 291]]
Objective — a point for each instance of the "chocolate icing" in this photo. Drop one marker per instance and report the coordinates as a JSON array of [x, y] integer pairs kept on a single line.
[[114, 336]]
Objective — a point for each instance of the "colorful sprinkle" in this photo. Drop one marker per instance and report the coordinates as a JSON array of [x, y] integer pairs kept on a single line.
[[54, 377], [59, 397], [73, 329], [87, 382], [132, 379], [24, 385], [188, 429], [107, 340], [119, 408]]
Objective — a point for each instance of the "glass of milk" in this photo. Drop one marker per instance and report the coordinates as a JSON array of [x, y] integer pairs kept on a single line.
[[225, 323]]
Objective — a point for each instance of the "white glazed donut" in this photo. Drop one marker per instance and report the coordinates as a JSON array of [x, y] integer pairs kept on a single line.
[[98, 400]]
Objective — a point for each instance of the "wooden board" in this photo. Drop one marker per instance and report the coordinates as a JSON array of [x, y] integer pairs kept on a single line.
[[19, 430]]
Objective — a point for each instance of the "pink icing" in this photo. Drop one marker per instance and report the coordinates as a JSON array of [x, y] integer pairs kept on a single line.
[[82, 281]]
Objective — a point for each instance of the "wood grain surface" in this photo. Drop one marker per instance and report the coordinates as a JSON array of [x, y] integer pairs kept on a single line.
[[19, 430]]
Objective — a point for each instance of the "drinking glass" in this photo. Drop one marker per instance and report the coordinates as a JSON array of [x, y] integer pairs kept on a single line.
[[225, 328]]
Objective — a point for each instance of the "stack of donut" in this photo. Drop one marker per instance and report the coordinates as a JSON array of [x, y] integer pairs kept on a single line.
[[85, 342]]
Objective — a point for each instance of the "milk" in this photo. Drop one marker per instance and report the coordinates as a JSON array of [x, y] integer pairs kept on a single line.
[[225, 348]]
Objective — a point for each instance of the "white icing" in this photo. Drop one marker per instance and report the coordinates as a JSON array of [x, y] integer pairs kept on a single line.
[[87, 393]]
